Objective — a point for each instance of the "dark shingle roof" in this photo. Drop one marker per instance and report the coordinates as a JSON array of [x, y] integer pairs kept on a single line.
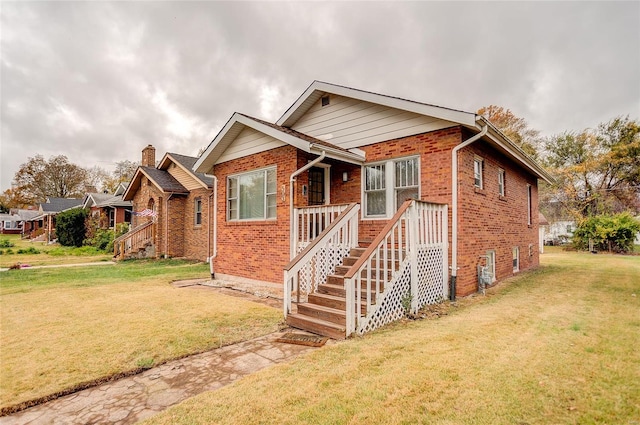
[[60, 204], [188, 162], [164, 180]]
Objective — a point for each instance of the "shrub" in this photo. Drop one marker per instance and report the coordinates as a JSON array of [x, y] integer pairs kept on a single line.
[[613, 233], [30, 250], [6, 243], [70, 227]]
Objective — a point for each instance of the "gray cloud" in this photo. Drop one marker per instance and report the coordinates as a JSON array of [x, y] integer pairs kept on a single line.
[[98, 81]]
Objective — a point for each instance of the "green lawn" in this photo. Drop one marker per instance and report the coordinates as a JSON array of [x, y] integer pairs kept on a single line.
[[555, 346], [62, 327], [42, 254]]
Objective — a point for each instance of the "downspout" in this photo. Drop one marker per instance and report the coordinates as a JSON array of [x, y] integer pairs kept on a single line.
[[166, 226], [454, 209], [214, 194], [292, 179]]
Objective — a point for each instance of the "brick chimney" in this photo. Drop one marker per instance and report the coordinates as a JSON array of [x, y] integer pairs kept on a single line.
[[149, 156]]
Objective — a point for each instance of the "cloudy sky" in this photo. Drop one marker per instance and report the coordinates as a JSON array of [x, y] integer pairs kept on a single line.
[[99, 81]]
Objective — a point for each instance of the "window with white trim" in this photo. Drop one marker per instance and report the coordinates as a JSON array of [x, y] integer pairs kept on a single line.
[[501, 190], [387, 185], [529, 195], [516, 259], [252, 195], [478, 165], [491, 264], [197, 211]]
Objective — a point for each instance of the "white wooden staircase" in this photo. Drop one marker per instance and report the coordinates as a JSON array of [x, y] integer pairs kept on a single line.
[[368, 285]]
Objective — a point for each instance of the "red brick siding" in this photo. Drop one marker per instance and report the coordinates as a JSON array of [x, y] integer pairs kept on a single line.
[[257, 249], [490, 222], [197, 238]]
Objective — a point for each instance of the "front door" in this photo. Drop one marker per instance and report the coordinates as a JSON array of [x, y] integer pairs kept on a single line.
[[316, 186]]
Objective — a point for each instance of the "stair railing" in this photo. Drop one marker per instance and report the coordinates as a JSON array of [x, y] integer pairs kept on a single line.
[[309, 222], [133, 240], [396, 270], [377, 266], [321, 256]]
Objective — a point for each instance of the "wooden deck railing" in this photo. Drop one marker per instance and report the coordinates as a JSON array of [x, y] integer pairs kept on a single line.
[[133, 240]]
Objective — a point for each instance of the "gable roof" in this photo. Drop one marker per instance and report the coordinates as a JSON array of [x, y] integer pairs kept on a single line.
[[186, 163], [56, 205], [472, 121], [159, 178], [92, 199], [239, 122], [317, 89]]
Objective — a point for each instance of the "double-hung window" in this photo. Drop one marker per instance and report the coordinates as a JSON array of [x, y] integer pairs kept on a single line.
[[387, 185], [197, 207], [477, 172], [501, 190], [252, 195]]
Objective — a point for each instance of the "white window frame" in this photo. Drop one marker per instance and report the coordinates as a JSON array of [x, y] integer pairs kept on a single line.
[[266, 194], [197, 211], [478, 172], [529, 204], [516, 259], [501, 182], [491, 263], [389, 185]]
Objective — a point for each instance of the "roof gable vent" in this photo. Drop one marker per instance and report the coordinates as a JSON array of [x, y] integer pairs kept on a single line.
[[325, 100]]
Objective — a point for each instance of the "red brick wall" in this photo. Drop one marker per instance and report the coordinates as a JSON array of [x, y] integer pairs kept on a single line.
[[197, 244], [488, 221], [140, 201], [485, 221], [256, 249]]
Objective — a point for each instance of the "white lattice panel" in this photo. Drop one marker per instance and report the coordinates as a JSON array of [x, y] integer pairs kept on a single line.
[[322, 264], [431, 282], [390, 308]]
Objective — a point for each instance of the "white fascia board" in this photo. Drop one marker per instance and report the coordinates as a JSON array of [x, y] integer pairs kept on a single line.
[[516, 152], [209, 157], [276, 134], [460, 117], [187, 170], [206, 160]]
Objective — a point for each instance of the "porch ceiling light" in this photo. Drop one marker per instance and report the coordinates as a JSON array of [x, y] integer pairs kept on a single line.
[[345, 176]]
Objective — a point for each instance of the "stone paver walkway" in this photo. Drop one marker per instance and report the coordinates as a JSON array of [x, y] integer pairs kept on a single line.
[[132, 399]]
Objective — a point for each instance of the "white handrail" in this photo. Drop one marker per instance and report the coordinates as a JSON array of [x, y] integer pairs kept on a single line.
[[337, 238], [416, 226], [309, 222]]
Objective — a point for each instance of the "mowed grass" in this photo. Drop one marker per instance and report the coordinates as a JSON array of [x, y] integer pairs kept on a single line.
[[559, 345], [65, 326], [47, 254]]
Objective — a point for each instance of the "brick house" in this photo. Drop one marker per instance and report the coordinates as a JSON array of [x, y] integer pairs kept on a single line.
[[110, 208], [171, 209], [351, 193], [43, 225]]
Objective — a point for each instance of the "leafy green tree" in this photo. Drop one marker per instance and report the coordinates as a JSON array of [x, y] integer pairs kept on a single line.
[[70, 227], [613, 233], [597, 171]]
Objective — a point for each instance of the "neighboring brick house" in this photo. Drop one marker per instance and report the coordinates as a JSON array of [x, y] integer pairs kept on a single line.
[[272, 176], [110, 208], [43, 225], [172, 202]]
